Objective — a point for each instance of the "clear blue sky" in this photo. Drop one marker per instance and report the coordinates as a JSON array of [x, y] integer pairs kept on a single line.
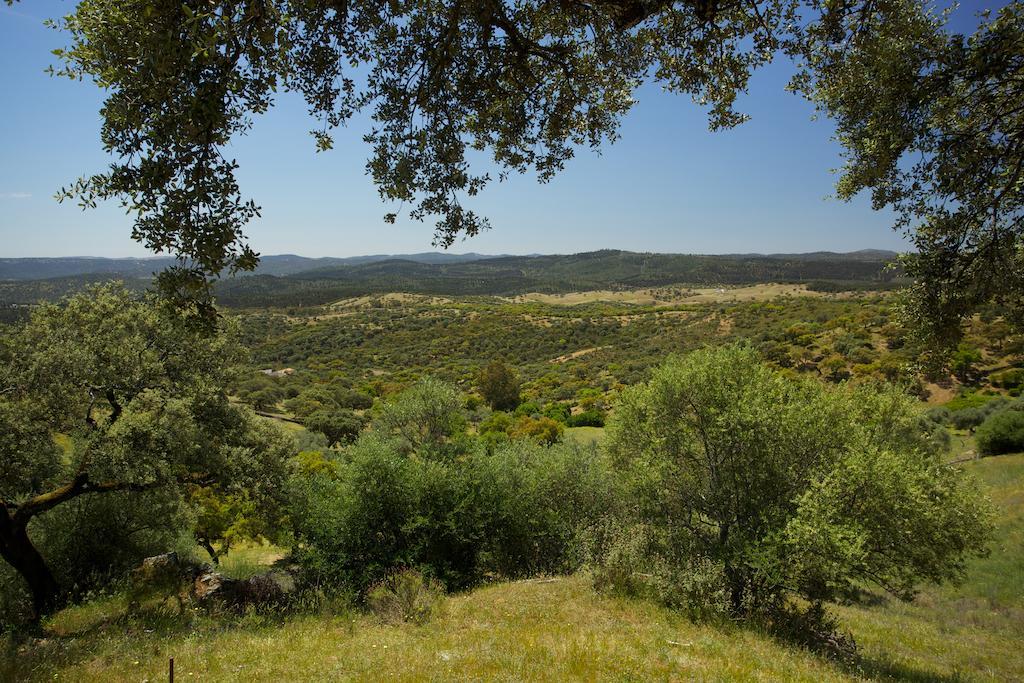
[[668, 185]]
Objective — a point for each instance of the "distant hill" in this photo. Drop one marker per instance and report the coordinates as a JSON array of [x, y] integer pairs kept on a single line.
[[280, 264], [288, 280], [507, 275]]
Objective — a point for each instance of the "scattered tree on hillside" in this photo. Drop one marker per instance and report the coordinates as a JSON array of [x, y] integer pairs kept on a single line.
[[138, 394], [426, 418], [499, 386]]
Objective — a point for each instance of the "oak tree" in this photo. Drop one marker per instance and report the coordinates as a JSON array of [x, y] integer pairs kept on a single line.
[[137, 395]]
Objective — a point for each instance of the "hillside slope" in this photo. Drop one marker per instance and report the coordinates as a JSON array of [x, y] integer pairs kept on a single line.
[[562, 630]]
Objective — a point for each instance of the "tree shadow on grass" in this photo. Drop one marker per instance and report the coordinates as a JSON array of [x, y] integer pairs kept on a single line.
[[815, 630], [118, 633], [886, 669]]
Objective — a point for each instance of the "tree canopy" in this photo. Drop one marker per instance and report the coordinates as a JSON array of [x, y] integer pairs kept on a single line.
[[930, 121], [138, 397], [777, 486]]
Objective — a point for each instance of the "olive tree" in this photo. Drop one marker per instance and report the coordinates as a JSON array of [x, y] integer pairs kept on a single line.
[[426, 418], [136, 396], [791, 487]]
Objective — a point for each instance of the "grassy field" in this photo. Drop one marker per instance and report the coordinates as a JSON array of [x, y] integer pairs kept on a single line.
[[667, 296], [556, 629], [585, 436]]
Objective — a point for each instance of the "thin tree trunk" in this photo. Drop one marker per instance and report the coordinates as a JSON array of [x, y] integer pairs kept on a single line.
[[208, 547], [17, 548]]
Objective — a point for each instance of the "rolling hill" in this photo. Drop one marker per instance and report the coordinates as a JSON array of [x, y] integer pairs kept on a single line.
[[296, 280]]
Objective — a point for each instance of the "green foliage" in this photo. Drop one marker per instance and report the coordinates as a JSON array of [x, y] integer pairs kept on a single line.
[[964, 361], [91, 540], [735, 464], [338, 426], [316, 398], [588, 418], [137, 392], [1002, 432], [527, 409], [499, 386], [927, 119], [541, 429], [972, 417], [559, 412], [513, 512], [426, 418], [1008, 379], [971, 399]]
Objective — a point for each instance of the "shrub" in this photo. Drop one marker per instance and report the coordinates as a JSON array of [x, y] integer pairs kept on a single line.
[[511, 513], [92, 540], [534, 500], [385, 510], [630, 560], [970, 418], [353, 400], [542, 429], [1001, 433], [559, 412], [799, 487], [527, 409], [1008, 379], [406, 596], [964, 361], [588, 418], [311, 400]]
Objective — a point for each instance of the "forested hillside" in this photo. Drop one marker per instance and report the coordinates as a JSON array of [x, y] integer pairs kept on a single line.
[[553, 274]]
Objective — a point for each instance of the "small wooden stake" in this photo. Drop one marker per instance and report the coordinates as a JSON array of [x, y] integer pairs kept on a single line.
[[170, 670]]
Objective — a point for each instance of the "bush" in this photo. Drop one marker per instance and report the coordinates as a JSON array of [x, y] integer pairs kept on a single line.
[[427, 418], [93, 539], [970, 418], [513, 513], [559, 412], [630, 560], [1001, 433], [588, 418], [527, 409], [406, 596], [1008, 379], [542, 429], [386, 510], [534, 500]]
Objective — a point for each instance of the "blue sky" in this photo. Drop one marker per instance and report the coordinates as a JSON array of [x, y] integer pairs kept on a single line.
[[668, 185]]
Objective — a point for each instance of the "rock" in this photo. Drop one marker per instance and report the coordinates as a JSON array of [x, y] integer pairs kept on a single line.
[[262, 589], [162, 576]]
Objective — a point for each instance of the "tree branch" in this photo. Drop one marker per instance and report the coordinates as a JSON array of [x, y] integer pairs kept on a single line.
[[78, 486]]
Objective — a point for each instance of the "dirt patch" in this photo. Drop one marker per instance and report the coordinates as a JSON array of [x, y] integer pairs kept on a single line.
[[575, 354]]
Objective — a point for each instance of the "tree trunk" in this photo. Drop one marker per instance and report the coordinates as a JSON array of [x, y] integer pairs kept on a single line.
[[16, 547], [208, 547]]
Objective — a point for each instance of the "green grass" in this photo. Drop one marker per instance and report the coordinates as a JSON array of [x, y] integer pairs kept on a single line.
[[585, 436], [556, 630], [974, 630]]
